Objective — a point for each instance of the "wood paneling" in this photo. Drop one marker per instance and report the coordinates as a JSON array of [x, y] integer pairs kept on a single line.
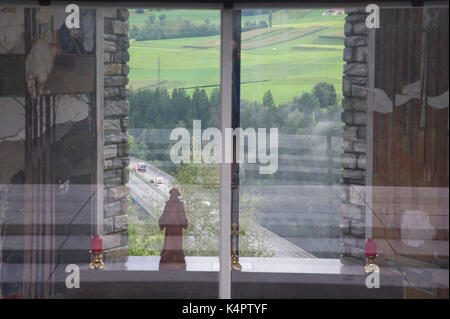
[[71, 74], [410, 159]]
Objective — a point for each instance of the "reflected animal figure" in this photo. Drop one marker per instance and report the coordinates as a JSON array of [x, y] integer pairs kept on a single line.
[[39, 64], [11, 30]]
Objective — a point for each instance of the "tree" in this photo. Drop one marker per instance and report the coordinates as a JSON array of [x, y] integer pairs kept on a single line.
[[308, 104], [268, 99], [151, 19], [133, 32], [262, 24], [325, 94], [198, 184], [162, 17]]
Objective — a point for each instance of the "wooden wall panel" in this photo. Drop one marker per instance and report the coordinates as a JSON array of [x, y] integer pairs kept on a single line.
[[410, 144]]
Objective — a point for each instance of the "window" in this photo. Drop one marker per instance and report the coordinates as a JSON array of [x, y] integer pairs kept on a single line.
[[245, 153]]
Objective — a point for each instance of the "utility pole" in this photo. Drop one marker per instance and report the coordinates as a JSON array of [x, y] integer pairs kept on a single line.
[[159, 72]]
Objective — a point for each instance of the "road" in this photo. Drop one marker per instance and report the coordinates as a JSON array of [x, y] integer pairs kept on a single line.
[[152, 197]]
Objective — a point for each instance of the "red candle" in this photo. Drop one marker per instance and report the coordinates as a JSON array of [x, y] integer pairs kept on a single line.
[[97, 244], [371, 248]]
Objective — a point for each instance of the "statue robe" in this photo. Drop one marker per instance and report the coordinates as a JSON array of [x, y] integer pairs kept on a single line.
[[174, 220]]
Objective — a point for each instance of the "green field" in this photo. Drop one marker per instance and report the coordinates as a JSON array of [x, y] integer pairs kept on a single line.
[[289, 65]]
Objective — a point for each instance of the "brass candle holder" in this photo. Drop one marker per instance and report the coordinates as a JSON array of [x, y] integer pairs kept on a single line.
[[96, 260], [235, 265], [370, 266]]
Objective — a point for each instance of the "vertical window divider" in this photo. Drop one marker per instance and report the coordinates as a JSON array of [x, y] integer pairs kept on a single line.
[[226, 37]]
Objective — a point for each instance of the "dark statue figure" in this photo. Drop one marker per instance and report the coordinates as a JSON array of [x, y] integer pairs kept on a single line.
[[174, 220]]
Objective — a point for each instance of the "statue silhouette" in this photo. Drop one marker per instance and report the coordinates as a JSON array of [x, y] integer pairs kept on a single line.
[[174, 220]]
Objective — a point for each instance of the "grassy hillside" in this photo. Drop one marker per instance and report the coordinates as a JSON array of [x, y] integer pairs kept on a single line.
[[291, 65]]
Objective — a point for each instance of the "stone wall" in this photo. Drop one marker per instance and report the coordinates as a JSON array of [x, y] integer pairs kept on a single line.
[[116, 110], [354, 117], [3, 203]]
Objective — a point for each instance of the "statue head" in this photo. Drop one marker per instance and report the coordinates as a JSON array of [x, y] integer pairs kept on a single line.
[[174, 193]]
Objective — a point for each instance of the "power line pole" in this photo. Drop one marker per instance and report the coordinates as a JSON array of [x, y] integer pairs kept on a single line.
[[159, 72]]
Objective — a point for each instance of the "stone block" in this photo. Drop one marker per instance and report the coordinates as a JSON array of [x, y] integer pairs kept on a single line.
[[356, 69], [120, 27], [353, 174], [109, 46], [349, 160], [347, 117], [110, 37], [112, 209], [355, 18], [116, 108], [108, 225], [112, 241], [360, 147], [344, 226], [112, 174], [360, 28], [361, 54], [114, 181], [347, 146], [123, 149], [125, 176], [359, 91], [357, 195], [346, 86], [110, 151], [110, 13], [348, 54], [123, 14], [357, 228], [360, 118], [117, 193], [111, 92], [121, 57], [114, 137], [361, 162], [107, 57], [116, 163], [350, 132], [123, 43], [348, 28], [124, 93], [120, 223], [116, 81], [113, 69], [362, 132], [355, 41], [112, 124]]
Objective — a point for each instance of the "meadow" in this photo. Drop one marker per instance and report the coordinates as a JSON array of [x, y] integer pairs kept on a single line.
[[302, 48]]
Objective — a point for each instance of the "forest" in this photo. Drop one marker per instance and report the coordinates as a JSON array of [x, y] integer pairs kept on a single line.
[[154, 112], [161, 109]]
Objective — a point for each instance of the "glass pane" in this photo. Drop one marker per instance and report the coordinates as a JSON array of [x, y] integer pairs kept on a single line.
[[72, 168], [357, 120]]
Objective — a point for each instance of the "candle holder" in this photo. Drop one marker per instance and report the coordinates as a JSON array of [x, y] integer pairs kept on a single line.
[[371, 253], [370, 265], [96, 260], [96, 253]]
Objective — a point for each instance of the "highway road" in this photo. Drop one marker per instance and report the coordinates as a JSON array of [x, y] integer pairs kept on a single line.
[[152, 197]]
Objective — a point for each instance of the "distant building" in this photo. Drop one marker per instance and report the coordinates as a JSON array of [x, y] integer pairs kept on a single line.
[[333, 12]]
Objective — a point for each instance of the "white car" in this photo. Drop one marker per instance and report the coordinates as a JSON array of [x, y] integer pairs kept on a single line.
[[159, 180]]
